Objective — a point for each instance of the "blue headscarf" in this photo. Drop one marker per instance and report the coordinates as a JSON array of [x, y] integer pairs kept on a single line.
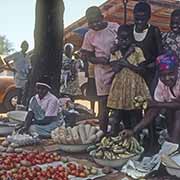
[[167, 61]]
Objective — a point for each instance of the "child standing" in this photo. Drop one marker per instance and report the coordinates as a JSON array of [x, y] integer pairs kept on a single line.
[[127, 83]]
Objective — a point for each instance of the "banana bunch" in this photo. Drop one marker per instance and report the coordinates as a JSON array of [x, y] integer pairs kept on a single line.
[[140, 102], [113, 148]]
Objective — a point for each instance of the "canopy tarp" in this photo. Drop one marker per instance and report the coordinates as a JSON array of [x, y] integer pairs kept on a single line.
[[113, 10]]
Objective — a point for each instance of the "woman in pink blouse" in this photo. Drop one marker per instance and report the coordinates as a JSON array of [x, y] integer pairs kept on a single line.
[[167, 95]]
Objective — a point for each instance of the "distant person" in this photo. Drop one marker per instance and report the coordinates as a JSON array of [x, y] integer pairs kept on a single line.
[[66, 70], [21, 68], [97, 43], [69, 76]]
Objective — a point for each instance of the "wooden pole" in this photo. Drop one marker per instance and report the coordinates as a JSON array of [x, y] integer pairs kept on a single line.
[[125, 10]]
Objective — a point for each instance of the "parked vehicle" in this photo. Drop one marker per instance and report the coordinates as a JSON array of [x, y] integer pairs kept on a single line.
[[8, 91]]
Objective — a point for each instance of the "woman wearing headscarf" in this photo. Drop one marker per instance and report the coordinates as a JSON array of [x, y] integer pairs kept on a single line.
[[167, 95]]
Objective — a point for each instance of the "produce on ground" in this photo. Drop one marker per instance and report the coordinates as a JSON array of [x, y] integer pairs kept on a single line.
[[81, 134], [113, 148], [29, 166], [14, 143], [14, 160]]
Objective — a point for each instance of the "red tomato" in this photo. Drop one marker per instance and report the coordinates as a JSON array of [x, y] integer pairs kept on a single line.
[[37, 169], [60, 168]]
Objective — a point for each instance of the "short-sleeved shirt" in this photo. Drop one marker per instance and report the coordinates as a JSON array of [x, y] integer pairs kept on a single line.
[[21, 65], [164, 94], [50, 104], [101, 43]]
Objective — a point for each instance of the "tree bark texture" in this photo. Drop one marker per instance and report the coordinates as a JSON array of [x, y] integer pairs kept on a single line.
[[48, 36]]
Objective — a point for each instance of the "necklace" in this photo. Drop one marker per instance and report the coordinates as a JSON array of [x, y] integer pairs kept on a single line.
[[140, 36]]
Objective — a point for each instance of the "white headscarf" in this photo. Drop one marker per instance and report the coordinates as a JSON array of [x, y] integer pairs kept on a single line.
[[70, 45]]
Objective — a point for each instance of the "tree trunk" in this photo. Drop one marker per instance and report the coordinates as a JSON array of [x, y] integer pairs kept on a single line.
[[48, 36]]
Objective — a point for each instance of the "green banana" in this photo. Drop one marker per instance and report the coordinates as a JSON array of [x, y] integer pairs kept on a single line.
[[99, 154]]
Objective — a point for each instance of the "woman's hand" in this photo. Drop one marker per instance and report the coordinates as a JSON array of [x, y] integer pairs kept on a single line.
[[126, 133]]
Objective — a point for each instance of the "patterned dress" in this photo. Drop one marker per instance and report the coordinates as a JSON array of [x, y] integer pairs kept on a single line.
[[69, 81], [171, 41], [127, 84]]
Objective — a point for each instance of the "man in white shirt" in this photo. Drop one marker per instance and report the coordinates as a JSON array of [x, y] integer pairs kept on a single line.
[[21, 68]]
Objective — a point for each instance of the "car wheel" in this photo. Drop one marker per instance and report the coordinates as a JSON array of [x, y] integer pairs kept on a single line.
[[84, 89], [10, 100]]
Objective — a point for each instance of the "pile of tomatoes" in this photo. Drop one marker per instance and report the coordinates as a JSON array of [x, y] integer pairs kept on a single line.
[[36, 173], [25, 167], [27, 159]]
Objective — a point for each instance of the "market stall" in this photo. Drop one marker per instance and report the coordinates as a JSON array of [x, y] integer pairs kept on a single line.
[[82, 151], [104, 160]]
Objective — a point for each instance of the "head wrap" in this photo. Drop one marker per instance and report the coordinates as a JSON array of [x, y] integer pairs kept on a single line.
[[70, 45], [167, 61], [44, 81]]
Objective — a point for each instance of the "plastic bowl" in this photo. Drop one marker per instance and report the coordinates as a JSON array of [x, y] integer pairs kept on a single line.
[[17, 116], [116, 163], [74, 148]]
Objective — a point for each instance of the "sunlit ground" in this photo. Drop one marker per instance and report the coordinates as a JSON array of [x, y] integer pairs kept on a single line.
[[87, 104]]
